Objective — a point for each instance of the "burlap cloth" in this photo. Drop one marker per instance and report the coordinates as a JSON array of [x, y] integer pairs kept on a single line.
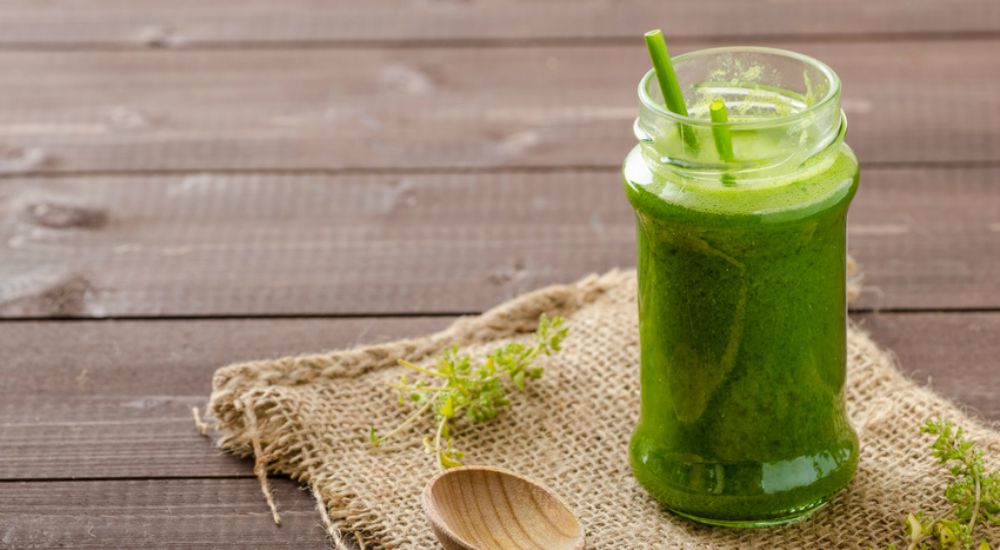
[[308, 417]]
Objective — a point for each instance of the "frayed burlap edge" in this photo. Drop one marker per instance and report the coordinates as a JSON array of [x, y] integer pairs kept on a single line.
[[244, 404]]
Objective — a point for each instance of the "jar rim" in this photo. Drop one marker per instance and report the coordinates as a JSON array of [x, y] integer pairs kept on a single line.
[[660, 109]]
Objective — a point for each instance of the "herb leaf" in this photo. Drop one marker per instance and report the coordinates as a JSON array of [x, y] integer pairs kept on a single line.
[[455, 388], [974, 494]]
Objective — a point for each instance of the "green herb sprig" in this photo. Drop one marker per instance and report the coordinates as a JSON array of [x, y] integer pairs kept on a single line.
[[974, 494], [454, 388]]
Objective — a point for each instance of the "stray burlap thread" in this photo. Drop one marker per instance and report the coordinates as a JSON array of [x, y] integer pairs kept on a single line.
[[308, 417]]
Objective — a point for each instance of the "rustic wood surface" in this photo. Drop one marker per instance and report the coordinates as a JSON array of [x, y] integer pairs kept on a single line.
[[155, 513], [441, 108], [238, 245], [245, 23], [186, 184]]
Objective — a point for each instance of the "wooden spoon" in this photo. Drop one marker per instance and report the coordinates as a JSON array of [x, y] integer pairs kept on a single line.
[[484, 508]]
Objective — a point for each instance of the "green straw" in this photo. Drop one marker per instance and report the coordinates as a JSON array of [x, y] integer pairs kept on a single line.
[[720, 130], [723, 140], [673, 98]]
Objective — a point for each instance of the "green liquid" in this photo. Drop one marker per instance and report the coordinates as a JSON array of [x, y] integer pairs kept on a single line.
[[742, 319]]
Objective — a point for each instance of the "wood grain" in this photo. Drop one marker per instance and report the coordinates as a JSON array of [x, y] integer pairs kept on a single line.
[[139, 424], [928, 239], [114, 399], [509, 512], [420, 243], [108, 437], [454, 108], [129, 361], [192, 23], [953, 353], [193, 513]]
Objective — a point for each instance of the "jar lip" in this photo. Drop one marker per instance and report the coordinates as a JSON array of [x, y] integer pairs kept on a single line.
[[825, 69]]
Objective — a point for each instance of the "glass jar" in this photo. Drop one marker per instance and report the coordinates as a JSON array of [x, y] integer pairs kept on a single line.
[[742, 299]]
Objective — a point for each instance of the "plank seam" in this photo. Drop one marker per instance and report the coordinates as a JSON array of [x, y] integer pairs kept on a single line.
[[444, 170], [411, 315], [98, 479], [494, 43]]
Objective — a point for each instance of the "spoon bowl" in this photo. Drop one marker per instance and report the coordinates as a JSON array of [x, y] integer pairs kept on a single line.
[[485, 508]]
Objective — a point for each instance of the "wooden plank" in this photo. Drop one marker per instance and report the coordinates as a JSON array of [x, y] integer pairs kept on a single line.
[[140, 425], [114, 399], [193, 513], [108, 437], [420, 243], [189, 23], [207, 245], [953, 353], [131, 360], [928, 238], [428, 108]]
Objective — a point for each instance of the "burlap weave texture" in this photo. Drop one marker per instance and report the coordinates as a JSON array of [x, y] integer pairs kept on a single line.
[[308, 417]]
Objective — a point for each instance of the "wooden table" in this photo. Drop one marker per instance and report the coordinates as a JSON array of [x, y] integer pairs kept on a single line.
[[188, 183]]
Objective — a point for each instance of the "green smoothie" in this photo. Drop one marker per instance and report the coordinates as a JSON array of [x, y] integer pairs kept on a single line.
[[742, 314]]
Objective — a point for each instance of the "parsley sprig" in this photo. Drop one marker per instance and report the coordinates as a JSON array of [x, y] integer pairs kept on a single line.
[[456, 388], [974, 494]]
